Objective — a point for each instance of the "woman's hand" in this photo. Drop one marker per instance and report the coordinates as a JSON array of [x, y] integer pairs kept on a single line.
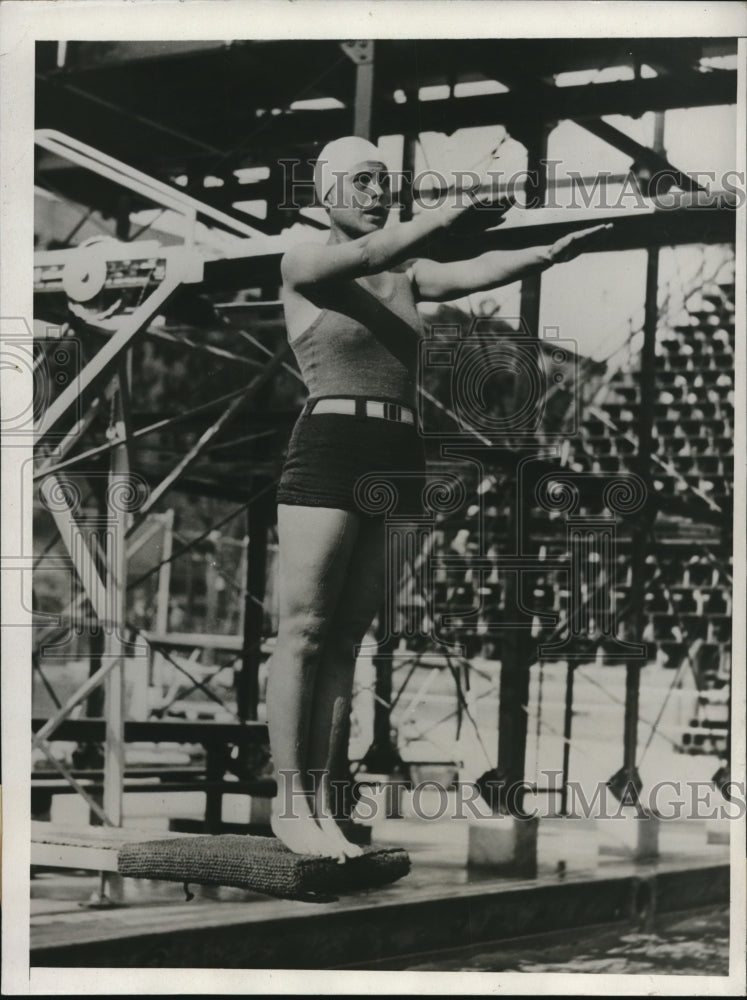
[[484, 212], [477, 206], [574, 244]]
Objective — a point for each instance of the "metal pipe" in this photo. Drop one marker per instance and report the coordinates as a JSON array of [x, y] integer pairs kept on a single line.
[[75, 699], [641, 532], [116, 584], [164, 587], [72, 781], [247, 680], [364, 84], [127, 176], [48, 470], [108, 354], [567, 726], [516, 652]]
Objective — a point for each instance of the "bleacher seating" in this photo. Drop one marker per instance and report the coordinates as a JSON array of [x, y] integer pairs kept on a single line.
[[687, 598]]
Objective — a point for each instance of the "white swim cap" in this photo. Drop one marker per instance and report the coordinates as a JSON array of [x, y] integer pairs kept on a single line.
[[338, 158]]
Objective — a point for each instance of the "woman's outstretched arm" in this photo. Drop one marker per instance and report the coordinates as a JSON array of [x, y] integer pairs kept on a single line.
[[310, 263], [437, 282]]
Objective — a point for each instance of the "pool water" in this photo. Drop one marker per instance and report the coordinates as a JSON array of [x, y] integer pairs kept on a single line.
[[687, 942]]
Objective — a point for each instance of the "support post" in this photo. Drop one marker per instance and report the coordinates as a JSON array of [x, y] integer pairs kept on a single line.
[[211, 596], [404, 542], [116, 585], [567, 727], [407, 191], [362, 54], [247, 681], [164, 588], [241, 574], [517, 646], [123, 217], [631, 781], [112, 887], [95, 703], [214, 773], [89, 754], [535, 141], [627, 783], [382, 757]]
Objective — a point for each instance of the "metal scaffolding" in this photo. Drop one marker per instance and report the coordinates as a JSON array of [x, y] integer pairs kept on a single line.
[[189, 144]]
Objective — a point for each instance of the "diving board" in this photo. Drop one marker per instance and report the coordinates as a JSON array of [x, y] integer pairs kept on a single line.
[[259, 864], [92, 848]]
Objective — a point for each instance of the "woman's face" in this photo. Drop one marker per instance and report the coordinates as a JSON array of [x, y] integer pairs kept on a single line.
[[359, 202]]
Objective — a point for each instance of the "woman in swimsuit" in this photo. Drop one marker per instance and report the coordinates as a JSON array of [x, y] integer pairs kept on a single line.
[[351, 315]]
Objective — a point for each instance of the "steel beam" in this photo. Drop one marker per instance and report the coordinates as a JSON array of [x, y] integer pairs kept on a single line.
[[83, 56], [135, 435], [162, 731], [76, 698], [297, 130], [225, 197], [516, 641], [104, 359], [301, 130], [247, 680], [116, 582], [361, 52], [543, 93], [71, 780], [683, 222], [164, 590], [631, 781], [652, 158], [408, 173], [74, 434]]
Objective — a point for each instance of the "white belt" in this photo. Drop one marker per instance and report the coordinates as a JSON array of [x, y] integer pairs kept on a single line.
[[373, 408]]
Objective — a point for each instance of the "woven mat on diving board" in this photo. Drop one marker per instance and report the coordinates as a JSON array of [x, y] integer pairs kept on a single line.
[[261, 864]]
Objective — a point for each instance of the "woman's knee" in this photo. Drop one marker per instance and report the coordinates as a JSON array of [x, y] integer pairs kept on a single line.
[[301, 638]]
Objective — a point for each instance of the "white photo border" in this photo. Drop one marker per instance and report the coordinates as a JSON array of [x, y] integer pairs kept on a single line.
[[24, 22]]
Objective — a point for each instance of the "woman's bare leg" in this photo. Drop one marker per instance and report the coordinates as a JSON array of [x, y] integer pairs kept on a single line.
[[328, 737], [316, 544]]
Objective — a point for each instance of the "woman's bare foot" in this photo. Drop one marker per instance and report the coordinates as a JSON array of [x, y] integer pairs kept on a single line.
[[325, 817], [329, 827], [302, 835]]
